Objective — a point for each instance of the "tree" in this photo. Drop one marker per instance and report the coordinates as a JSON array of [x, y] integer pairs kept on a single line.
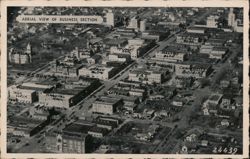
[[204, 82], [219, 76]]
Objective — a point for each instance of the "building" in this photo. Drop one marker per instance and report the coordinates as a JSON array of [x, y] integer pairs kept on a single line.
[[21, 95], [106, 105], [119, 57], [231, 17], [75, 139], [53, 142], [177, 102], [128, 89], [21, 57], [143, 25], [214, 52], [136, 42], [172, 54], [189, 38], [182, 82], [214, 99], [25, 127], [115, 42], [125, 32], [238, 25], [155, 35], [206, 49], [147, 76], [130, 103], [133, 23], [97, 71], [138, 92], [218, 53], [106, 122], [80, 53], [199, 30], [192, 70], [27, 92], [67, 95], [135, 48], [225, 122], [95, 59], [98, 132], [39, 116], [65, 69], [212, 21], [110, 18]]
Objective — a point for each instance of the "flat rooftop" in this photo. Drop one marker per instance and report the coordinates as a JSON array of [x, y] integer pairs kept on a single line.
[[77, 128], [196, 28], [215, 97], [64, 91], [175, 48], [25, 122], [115, 41], [107, 99]]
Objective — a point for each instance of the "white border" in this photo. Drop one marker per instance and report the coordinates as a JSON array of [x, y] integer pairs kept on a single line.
[[117, 3]]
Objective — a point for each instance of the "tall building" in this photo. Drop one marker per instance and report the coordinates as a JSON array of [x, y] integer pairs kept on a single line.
[[133, 23], [29, 52], [28, 49], [142, 25], [231, 17], [75, 139], [110, 18], [238, 26]]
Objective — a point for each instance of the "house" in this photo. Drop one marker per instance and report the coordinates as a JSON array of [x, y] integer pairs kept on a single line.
[[226, 100], [193, 135], [204, 143], [178, 102], [149, 113], [191, 138], [224, 83], [225, 123], [211, 104]]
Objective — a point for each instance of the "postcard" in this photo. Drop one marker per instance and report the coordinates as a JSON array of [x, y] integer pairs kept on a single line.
[[124, 79]]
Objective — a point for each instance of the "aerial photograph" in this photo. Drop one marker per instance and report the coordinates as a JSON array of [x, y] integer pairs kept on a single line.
[[125, 80]]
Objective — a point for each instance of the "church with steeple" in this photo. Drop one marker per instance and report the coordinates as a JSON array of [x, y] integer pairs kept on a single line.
[[21, 57]]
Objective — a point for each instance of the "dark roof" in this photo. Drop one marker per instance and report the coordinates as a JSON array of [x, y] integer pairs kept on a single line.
[[115, 41], [98, 130], [33, 88], [73, 91], [76, 128], [74, 136], [174, 48], [196, 27]]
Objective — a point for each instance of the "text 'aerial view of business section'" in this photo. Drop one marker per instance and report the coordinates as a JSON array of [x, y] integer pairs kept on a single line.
[[125, 80]]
